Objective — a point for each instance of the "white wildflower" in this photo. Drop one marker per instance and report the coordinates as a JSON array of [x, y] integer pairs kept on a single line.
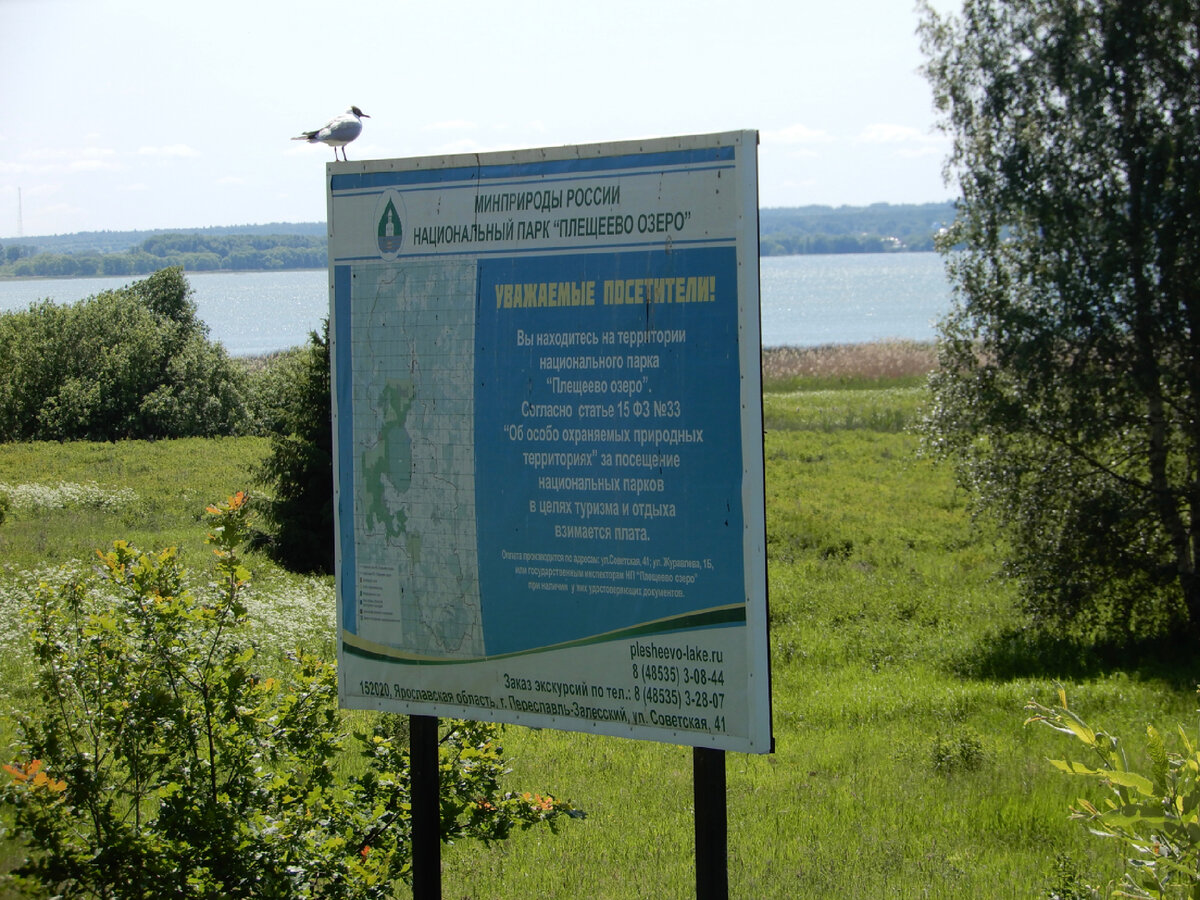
[[37, 497]]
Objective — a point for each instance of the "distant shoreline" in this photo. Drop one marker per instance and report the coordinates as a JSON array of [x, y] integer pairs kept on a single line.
[[138, 277], [5, 277], [880, 228]]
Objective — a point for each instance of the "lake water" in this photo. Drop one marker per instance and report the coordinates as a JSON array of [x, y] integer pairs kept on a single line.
[[806, 300]]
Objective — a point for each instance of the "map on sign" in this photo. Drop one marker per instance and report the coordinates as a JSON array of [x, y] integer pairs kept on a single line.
[[412, 333]]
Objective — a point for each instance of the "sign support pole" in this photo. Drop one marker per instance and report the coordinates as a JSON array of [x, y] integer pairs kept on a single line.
[[426, 807], [712, 850]]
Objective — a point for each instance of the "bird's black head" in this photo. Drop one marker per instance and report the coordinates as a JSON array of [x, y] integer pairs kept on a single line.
[[358, 112]]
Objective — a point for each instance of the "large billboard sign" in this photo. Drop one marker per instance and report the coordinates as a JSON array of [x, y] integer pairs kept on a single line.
[[548, 438]]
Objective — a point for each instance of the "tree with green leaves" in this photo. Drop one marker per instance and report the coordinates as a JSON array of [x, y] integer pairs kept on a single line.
[[135, 362], [1069, 381], [299, 467]]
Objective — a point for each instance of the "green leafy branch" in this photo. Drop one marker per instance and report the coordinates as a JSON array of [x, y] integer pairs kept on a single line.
[[1155, 815]]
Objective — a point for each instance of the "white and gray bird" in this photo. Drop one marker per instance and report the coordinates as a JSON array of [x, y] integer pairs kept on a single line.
[[338, 131]]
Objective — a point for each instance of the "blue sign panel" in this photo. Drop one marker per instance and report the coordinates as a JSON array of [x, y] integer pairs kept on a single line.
[[607, 429]]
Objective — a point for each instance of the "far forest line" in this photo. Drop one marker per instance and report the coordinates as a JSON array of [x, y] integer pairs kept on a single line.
[[783, 231]]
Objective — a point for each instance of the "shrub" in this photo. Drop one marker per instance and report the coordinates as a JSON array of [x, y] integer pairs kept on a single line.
[[960, 752], [129, 363], [159, 762], [299, 467], [1156, 815], [272, 381]]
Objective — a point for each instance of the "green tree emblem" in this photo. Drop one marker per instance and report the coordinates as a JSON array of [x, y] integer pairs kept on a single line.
[[391, 229]]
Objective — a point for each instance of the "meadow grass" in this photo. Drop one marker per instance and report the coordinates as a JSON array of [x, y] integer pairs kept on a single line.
[[72, 498], [893, 775], [902, 767]]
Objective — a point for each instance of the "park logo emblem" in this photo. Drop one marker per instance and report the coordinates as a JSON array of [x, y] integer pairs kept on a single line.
[[390, 224]]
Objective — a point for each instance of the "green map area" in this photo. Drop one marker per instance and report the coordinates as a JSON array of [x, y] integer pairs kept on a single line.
[[413, 344], [389, 462]]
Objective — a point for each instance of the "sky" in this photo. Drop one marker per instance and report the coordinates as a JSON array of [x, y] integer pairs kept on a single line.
[[149, 114]]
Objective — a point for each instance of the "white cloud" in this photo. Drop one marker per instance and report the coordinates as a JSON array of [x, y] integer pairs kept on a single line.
[[450, 125], [796, 152], [938, 149], [907, 142], [886, 133], [805, 183], [462, 145], [173, 151], [72, 153], [91, 165], [38, 219], [45, 160], [796, 134]]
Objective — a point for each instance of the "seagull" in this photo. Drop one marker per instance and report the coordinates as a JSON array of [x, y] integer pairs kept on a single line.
[[338, 131]]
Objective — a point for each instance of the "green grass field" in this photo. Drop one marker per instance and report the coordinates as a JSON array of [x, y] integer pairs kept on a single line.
[[902, 767]]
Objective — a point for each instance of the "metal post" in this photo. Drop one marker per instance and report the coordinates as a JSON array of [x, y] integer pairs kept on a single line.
[[712, 845], [426, 811]]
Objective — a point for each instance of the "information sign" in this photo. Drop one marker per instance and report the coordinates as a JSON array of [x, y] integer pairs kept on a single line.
[[548, 438]]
